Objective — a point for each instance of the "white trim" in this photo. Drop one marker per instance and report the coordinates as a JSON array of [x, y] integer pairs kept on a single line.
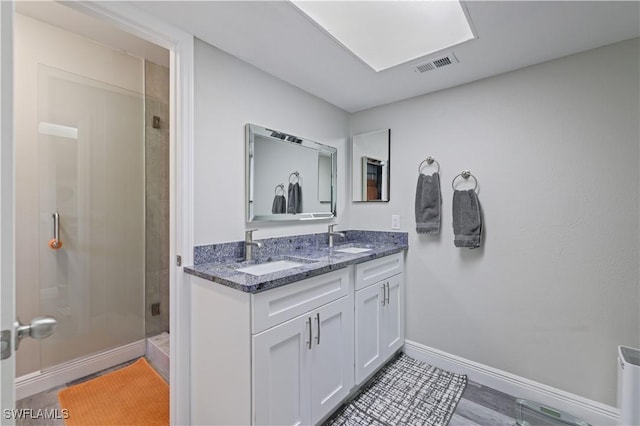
[[593, 412], [181, 45], [182, 212], [7, 203], [34, 383]]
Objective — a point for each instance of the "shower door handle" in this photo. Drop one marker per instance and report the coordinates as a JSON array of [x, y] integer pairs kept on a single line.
[[55, 243], [39, 328]]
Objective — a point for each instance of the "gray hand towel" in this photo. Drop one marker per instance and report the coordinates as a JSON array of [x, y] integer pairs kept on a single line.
[[428, 204], [294, 203], [467, 219], [279, 205]]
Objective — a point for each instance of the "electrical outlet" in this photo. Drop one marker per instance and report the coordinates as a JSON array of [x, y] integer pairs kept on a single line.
[[395, 221]]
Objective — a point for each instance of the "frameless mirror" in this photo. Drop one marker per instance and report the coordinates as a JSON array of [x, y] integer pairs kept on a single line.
[[370, 153], [288, 177]]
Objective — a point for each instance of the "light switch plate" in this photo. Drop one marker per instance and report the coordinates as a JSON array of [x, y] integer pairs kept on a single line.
[[395, 221]]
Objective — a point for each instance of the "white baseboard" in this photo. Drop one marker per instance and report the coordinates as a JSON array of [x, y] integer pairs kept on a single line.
[[593, 412], [41, 381]]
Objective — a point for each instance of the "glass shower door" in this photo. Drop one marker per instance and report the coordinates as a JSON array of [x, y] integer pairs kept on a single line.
[[91, 175]]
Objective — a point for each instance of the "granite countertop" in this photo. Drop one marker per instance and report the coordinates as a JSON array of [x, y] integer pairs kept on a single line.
[[315, 260]]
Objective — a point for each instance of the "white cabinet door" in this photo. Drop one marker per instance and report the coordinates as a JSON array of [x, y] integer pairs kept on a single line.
[[281, 362], [393, 317], [332, 356], [368, 330], [379, 324]]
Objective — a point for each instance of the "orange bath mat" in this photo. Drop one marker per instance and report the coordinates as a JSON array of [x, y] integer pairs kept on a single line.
[[133, 395]]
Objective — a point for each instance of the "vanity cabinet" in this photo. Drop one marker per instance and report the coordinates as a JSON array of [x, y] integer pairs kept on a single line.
[[302, 349], [286, 355], [379, 314], [303, 368]]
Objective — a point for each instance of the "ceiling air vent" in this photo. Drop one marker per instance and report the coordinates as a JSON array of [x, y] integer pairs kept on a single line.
[[437, 62]]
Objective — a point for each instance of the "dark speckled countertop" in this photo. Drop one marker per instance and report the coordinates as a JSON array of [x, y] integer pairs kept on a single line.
[[219, 263]]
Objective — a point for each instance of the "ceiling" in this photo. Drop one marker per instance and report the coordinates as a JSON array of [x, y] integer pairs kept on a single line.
[[277, 38]]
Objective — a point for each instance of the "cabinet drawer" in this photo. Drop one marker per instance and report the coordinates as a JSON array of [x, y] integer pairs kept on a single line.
[[280, 304], [371, 272]]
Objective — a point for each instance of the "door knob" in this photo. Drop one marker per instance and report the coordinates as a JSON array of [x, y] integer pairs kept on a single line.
[[38, 328]]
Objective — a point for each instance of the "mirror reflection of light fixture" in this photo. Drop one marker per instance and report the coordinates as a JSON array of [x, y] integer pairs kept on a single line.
[[59, 130]]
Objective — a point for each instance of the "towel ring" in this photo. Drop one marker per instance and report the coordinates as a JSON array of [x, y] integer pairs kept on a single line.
[[429, 160], [465, 174], [281, 186], [297, 175]]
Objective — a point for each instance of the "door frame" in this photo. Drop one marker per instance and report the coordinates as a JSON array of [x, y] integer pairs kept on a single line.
[[181, 46], [7, 228]]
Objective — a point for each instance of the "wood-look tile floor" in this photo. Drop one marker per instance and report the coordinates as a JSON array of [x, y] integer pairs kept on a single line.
[[480, 405], [484, 406]]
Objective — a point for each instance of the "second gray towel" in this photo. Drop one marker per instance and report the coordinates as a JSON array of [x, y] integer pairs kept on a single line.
[[467, 219], [279, 205], [428, 204], [294, 201]]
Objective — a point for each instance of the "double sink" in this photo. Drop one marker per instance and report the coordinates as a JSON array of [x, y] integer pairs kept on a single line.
[[281, 265]]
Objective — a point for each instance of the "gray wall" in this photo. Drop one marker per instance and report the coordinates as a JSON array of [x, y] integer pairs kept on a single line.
[[554, 288], [230, 93]]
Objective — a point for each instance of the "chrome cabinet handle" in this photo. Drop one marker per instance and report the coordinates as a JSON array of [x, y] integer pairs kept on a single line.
[[388, 292], [318, 321], [384, 294], [310, 337]]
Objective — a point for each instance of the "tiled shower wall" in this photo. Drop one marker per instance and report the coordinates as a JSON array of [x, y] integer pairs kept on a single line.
[[156, 197]]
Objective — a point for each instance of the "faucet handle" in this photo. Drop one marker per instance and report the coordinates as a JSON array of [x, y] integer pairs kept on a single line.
[[249, 232], [331, 227]]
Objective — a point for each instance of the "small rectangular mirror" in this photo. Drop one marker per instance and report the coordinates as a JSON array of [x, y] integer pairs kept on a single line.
[[288, 177], [370, 169]]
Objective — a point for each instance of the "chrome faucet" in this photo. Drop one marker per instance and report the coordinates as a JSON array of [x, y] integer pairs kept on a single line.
[[334, 234], [249, 243]]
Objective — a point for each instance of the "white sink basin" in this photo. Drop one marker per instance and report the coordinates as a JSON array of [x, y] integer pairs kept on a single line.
[[353, 250], [269, 267]]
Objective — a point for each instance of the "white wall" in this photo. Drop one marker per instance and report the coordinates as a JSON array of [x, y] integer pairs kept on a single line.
[[555, 148], [230, 93]]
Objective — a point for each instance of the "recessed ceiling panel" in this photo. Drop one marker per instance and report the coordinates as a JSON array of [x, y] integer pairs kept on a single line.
[[384, 34]]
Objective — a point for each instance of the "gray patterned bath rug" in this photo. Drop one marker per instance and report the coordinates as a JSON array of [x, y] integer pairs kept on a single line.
[[404, 392]]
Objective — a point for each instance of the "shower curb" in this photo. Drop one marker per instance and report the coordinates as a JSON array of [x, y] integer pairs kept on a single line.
[[158, 353]]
